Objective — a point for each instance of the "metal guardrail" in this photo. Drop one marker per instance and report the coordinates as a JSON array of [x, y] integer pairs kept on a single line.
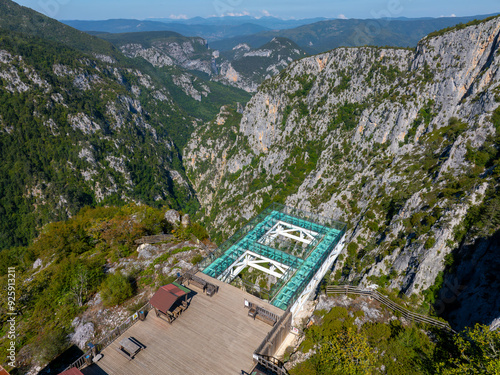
[[407, 314], [107, 340], [272, 364], [273, 340]]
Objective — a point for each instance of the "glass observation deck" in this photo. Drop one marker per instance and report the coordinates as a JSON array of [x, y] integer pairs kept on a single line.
[[298, 240]]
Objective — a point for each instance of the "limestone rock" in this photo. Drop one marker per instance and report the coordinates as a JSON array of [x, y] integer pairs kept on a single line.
[[38, 263], [185, 220], [84, 332], [146, 251], [173, 217]]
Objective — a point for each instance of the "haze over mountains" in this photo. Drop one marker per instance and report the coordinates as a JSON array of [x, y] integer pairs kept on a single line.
[[316, 35]]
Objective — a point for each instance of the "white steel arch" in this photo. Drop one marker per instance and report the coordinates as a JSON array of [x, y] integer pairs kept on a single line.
[[254, 260], [285, 229]]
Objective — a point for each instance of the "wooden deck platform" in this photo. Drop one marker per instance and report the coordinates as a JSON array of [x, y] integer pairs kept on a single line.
[[213, 336]]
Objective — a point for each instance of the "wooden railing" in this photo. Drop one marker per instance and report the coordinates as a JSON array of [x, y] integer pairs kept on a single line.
[[107, 340], [262, 311], [407, 314], [272, 363], [271, 343]]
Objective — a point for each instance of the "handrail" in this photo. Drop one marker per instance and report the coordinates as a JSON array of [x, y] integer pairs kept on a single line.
[[273, 331], [272, 363], [262, 311], [107, 340], [407, 314]]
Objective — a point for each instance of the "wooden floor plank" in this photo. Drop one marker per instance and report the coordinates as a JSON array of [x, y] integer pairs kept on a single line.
[[214, 335]]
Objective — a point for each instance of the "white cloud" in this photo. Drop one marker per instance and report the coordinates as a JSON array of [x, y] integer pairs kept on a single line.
[[451, 15], [266, 13], [178, 17], [341, 17], [232, 14]]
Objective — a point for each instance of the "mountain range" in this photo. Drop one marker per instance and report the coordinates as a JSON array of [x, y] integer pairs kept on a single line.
[[314, 35], [74, 105]]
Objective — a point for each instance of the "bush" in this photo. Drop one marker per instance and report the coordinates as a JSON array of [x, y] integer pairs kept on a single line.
[[352, 248], [52, 343], [429, 243], [196, 259], [116, 289]]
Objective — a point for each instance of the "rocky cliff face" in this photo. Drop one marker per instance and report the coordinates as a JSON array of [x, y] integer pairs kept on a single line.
[[189, 53], [401, 144], [243, 67], [247, 67]]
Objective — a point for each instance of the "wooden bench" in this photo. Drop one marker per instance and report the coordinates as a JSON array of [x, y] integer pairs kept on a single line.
[[266, 319], [124, 353], [211, 289], [252, 312], [196, 281]]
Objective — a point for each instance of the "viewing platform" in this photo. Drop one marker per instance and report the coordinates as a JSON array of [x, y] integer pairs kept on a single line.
[[214, 335]]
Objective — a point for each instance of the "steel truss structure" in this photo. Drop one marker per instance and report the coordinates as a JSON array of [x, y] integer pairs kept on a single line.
[[296, 246]]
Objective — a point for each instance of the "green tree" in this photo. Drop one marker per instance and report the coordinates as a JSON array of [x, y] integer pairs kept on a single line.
[[479, 352], [347, 353]]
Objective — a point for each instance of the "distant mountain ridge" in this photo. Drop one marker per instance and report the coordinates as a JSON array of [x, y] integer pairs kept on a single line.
[[268, 22], [209, 32], [315, 35], [327, 35], [243, 67], [247, 67]]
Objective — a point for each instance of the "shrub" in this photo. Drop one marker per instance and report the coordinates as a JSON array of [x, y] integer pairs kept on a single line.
[[431, 241], [52, 343], [196, 259], [115, 289], [352, 248]]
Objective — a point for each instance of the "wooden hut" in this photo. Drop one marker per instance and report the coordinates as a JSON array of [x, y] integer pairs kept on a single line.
[[169, 301]]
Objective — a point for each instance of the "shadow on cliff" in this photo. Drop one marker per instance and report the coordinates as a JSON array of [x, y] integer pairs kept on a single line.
[[470, 292]]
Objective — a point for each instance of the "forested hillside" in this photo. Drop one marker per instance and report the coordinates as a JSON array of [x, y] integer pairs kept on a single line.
[[78, 119]]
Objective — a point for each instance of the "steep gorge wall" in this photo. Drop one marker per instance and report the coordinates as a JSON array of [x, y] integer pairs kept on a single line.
[[398, 143]]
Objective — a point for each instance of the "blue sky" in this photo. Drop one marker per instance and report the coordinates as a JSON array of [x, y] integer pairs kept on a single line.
[[143, 9]]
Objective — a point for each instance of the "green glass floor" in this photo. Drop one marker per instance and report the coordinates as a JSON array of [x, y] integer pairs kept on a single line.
[[301, 270], [306, 271]]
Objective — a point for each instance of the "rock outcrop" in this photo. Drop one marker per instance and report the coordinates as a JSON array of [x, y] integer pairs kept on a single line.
[[247, 68]]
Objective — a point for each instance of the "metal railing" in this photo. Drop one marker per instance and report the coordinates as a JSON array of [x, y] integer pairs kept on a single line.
[[264, 354], [262, 311], [272, 364], [407, 314], [276, 335], [107, 340]]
